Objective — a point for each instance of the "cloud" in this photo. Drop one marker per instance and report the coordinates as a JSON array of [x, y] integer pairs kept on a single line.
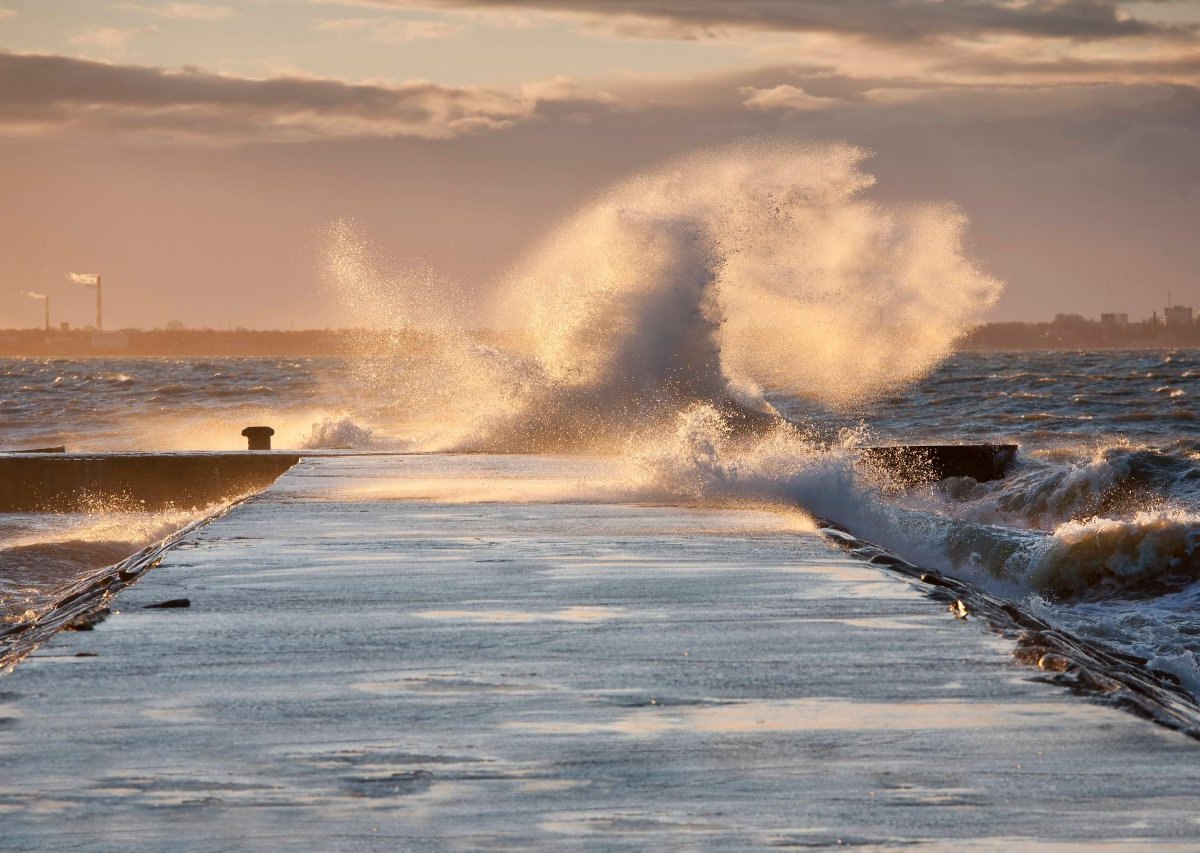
[[1174, 62], [181, 11], [7, 14], [110, 39], [390, 30], [882, 20], [974, 42], [785, 97], [46, 95]]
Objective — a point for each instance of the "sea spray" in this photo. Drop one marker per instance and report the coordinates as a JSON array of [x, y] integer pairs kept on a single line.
[[749, 267], [788, 466], [338, 434], [417, 373]]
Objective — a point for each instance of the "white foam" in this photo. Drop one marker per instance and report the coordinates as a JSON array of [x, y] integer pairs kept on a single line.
[[338, 434]]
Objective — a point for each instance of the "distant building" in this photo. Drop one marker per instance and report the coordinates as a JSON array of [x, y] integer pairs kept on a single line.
[[1178, 315], [1114, 321], [110, 340]]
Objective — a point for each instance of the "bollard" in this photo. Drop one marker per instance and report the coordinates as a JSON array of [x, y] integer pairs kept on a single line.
[[258, 437]]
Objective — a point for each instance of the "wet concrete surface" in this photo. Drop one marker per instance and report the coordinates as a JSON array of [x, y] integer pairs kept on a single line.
[[471, 652]]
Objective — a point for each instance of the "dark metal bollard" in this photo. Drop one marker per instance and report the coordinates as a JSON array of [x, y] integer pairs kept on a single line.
[[259, 437]]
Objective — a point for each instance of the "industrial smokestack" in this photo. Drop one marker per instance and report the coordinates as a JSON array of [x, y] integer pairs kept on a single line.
[[90, 279], [46, 299]]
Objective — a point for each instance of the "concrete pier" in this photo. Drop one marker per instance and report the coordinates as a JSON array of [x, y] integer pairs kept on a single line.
[[474, 652], [50, 480]]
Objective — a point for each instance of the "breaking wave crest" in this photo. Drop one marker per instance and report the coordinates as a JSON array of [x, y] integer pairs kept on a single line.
[[1106, 545], [1083, 529]]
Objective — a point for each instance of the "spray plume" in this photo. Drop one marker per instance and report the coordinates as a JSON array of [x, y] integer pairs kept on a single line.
[[721, 275]]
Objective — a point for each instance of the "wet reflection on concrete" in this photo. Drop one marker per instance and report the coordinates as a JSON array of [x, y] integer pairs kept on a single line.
[[402, 673]]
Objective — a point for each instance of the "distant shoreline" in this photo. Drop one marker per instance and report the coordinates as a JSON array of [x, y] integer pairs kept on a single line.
[[214, 343], [971, 346], [1072, 332]]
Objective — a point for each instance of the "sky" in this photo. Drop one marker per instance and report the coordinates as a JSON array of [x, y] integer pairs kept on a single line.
[[195, 153]]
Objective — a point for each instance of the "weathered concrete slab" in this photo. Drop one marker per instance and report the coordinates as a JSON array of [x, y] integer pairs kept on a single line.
[[374, 658]]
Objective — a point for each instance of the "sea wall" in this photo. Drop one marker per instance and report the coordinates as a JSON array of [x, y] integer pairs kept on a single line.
[[58, 482]]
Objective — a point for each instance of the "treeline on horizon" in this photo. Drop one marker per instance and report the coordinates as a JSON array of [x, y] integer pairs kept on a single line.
[[1064, 332], [1072, 331]]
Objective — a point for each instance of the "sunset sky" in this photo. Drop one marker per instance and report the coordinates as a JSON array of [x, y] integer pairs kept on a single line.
[[195, 152]]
